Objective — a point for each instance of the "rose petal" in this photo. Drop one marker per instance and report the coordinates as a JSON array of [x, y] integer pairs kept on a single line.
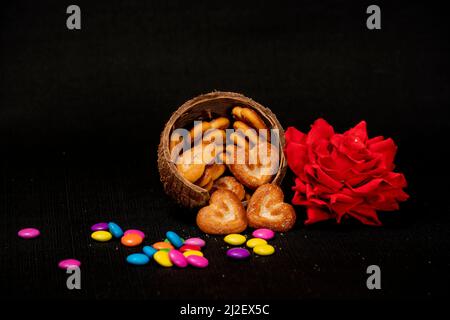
[[293, 135], [316, 214]]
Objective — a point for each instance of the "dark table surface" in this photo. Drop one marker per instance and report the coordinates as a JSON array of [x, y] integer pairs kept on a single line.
[[81, 112]]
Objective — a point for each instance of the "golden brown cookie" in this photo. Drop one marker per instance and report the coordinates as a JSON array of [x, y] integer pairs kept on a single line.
[[249, 116], [198, 130], [249, 133], [230, 183], [216, 136], [211, 173], [225, 214], [190, 164], [220, 123], [255, 167], [266, 209]]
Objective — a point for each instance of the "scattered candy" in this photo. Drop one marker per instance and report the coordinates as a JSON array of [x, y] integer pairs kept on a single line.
[[162, 257], [162, 245], [69, 263], [101, 226], [193, 253], [138, 232], [149, 251], [195, 242], [255, 242], [174, 239], [101, 236], [115, 230], [265, 234], [138, 259], [238, 253], [131, 240], [187, 247], [174, 250], [235, 239], [177, 258], [29, 233], [264, 250], [197, 261]]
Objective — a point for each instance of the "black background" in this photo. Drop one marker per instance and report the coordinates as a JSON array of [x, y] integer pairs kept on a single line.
[[81, 113]]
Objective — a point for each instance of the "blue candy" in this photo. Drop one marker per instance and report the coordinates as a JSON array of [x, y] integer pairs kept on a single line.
[[149, 251], [174, 239], [115, 230], [138, 259]]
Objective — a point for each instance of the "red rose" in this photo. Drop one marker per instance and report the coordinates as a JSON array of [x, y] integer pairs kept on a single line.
[[342, 175]]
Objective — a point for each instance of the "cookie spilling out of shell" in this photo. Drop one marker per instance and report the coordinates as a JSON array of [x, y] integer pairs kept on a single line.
[[215, 152]]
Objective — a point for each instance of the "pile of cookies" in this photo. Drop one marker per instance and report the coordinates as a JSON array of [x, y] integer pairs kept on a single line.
[[233, 164]]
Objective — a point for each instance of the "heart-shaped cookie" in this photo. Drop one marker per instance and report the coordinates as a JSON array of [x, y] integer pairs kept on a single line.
[[225, 214], [254, 167], [230, 183], [266, 209]]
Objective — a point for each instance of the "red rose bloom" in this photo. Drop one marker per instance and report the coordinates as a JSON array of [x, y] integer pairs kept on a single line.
[[342, 175]]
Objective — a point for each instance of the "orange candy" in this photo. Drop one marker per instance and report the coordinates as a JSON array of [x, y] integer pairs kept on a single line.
[[131, 240], [162, 245]]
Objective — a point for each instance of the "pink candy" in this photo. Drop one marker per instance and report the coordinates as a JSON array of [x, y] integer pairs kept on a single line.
[[69, 263], [138, 232], [197, 261], [195, 242], [265, 234], [177, 258], [29, 233]]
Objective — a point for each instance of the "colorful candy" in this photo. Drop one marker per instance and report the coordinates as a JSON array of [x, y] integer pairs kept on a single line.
[[238, 253], [255, 242], [29, 233], [138, 259], [115, 230], [131, 240], [174, 239], [197, 261], [162, 258], [101, 226], [162, 245], [149, 251], [195, 242], [101, 236], [174, 250], [193, 253], [138, 232], [177, 258], [187, 247], [264, 250], [235, 239], [69, 263], [167, 240], [263, 233]]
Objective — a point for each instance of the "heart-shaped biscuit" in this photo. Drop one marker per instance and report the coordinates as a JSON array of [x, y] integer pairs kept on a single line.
[[254, 167], [266, 209], [225, 214], [230, 183]]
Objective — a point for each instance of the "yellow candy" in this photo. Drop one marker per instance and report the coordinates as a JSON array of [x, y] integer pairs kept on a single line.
[[235, 239], [162, 257], [256, 242], [264, 250], [101, 236], [192, 253]]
